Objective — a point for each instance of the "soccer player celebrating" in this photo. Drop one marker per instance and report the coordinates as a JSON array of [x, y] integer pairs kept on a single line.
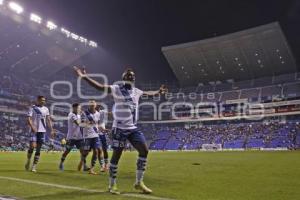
[[37, 115], [126, 97], [90, 134], [74, 135]]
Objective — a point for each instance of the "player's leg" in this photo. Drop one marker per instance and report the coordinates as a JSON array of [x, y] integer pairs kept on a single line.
[[138, 141], [113, 170], [83, 160], [79, 145], [94, 145], [69, 147], [101, 160], [101, 155], [105, 155], [104, 150], [36, 156], [93, 161], [39, 143], [118, 144], [32, 146], [84, 153]]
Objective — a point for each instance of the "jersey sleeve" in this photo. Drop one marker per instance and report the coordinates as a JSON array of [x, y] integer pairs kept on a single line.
[[139, 92], [47, 112], [72, 117], [113, 89]]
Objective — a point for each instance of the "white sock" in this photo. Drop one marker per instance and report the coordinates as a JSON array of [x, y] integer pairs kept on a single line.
[[139, 176], [140, 170], [112, 181], [113, 169]]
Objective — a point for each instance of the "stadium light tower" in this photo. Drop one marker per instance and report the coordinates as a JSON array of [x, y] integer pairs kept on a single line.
[[66, 32], [74, 36], [51, 25], [82, 39], [15, 7], [93, 44], [35, 18]]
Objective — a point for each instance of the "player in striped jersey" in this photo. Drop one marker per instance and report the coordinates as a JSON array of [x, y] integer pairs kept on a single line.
[[38, 117], [126, 97], [91, 134], [74, 135]]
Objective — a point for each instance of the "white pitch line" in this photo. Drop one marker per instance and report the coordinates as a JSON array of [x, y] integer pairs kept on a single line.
[[82, 189]]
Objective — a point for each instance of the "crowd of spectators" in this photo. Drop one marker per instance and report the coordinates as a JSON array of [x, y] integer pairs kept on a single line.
[[229, 135]]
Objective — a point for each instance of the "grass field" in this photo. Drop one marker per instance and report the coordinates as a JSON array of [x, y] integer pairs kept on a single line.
[[172, 175]]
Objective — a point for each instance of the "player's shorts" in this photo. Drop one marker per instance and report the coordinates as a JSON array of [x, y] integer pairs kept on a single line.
[[71, 143], [119, 137], [91, 143], [39, 137], [103, 141]]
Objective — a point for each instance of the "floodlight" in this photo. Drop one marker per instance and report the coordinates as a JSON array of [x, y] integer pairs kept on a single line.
[[35, 18], [93, 44], [66, 32], [51, 25], [74, 36], [82, 39], [15, 7]]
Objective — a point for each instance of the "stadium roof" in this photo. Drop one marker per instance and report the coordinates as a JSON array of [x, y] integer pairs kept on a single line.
[[253, 53]]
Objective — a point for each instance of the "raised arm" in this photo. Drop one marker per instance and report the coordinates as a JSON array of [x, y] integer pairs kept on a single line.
[[99, 86], [162, 90]]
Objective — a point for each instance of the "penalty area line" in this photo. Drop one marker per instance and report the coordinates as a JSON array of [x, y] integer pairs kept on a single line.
[[141, 196]]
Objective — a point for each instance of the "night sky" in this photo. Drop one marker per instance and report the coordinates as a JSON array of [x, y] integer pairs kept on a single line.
[[133, 31]]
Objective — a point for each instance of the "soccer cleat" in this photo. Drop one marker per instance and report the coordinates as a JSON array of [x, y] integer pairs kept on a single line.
[[114, 189], [85, 169], [142, 187], [33, 169], [61, 166], [91, 171], [27, 165], [102, 169]]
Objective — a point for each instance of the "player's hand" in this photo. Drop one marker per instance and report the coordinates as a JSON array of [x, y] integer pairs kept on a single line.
[[163, 89], [79, 72], [34, 129]]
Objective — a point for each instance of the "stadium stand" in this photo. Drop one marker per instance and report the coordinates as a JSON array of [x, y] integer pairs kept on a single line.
[[30, 67], [231, 136]]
